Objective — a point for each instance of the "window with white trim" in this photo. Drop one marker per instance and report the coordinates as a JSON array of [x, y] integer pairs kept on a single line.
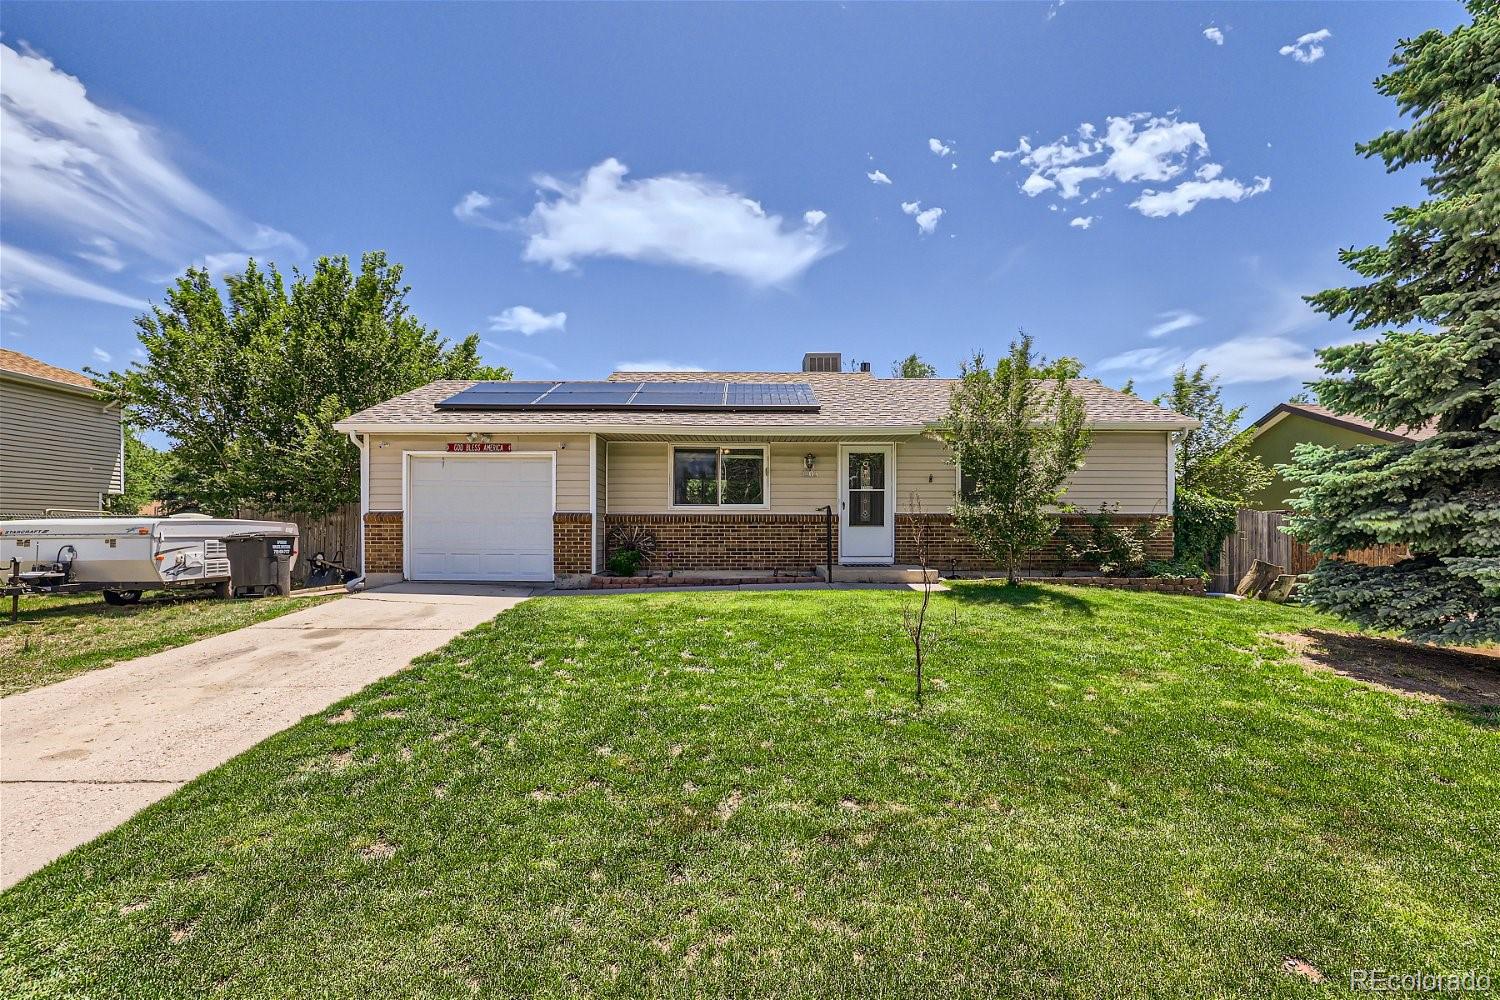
[[718, 477]]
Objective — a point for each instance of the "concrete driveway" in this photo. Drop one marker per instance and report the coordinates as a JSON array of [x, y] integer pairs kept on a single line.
[[80, 757]]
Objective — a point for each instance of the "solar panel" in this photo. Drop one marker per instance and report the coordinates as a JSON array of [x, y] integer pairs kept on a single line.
[[727, 396]]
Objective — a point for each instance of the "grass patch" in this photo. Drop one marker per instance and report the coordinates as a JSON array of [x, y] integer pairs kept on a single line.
[[59, 636], [733, 794]]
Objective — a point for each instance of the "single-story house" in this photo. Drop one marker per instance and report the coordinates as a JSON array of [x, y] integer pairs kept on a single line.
[[729, 470], [62, 448], [1290, 424]]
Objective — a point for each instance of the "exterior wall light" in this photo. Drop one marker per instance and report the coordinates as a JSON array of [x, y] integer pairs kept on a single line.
[[809, 460]]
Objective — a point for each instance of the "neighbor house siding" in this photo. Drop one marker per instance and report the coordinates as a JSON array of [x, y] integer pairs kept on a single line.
[[572, 464], [58, 449]]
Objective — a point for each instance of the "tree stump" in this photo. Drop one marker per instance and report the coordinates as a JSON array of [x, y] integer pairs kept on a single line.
[[1259, 579], [1282, 589]]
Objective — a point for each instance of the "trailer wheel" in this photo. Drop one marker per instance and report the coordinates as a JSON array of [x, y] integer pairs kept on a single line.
[[120, 598]]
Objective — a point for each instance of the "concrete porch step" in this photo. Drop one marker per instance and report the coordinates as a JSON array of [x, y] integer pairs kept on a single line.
[[877, 574]]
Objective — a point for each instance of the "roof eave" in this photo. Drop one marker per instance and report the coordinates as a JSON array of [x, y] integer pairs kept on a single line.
[[50, 383], [568, 427]]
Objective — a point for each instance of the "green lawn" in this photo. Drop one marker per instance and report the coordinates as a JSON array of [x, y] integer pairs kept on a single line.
[[732, 794], [57, 637]]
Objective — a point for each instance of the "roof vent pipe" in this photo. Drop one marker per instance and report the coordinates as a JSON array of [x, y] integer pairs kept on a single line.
[[864, 366]]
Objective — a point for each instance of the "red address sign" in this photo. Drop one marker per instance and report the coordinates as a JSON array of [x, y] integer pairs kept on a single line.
[[478, 446]]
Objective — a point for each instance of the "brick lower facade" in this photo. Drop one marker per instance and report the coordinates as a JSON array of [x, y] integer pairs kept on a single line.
[[786, 542], [950, 550], [572, 544], [383, 530], [790, 543]]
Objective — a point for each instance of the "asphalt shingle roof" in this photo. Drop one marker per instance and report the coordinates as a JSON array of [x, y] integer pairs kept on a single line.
[[846, 400], [1348, 420], [24, 364]]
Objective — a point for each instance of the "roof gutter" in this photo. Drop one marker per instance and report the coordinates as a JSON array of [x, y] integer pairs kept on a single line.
[[419, 427], [50, 383]]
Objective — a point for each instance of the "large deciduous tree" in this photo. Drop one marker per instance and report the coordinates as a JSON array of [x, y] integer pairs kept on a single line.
[[1017, 431], [1435, 283], [1216, 472], [248, 389]]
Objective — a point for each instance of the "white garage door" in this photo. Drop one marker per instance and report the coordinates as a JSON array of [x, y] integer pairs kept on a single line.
[[479, 518]]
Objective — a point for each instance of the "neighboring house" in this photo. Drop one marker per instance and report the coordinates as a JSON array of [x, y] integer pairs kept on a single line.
[[61, 446], [729, 470], [1291, 424]]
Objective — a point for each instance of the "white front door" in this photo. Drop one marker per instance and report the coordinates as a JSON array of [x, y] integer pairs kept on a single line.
[[479, 518], [867, 503]]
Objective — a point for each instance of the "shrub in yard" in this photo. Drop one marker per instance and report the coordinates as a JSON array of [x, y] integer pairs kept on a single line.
[[625, 562], [1017, 432], [1107, 547]]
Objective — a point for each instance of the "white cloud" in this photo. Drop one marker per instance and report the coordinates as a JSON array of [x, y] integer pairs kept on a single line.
[[939, 147], [1185, 197], [10, 299], [657, 365], [1036, 184], [546, 364], [1081, 221], [1307, 48], [1132, 149], [102, 253], [524, 319], [1022, 147], [473, 208], [1171, 321], [927, 220], [878, 177], [681, 219], [82, 171], [28, 270], [1214, 35], [1241, 359], [101, 355], [814, 218]]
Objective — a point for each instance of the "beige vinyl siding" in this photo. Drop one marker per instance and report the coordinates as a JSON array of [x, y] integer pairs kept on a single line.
[[639, 476], [601, 489], [793, 490], [919, 460], [1125, 469], [58, 449], [636, 481], [572, 464]]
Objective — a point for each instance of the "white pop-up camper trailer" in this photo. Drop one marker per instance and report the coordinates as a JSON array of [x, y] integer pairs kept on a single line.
[[123, 556]]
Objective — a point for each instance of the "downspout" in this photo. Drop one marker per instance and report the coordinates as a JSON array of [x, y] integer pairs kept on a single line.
[[1172, 473], [361, 441]]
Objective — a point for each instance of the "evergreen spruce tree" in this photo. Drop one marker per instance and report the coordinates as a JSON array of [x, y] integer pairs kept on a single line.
[[1436, 283]]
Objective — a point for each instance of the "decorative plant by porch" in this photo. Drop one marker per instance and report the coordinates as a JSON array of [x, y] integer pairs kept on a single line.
[[632, 546], [1017, 431]]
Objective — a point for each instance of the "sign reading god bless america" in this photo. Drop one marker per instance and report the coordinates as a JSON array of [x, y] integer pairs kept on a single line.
[[478, 446]]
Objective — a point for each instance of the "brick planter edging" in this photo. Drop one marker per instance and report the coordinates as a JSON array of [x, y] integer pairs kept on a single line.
[[1191, 585]]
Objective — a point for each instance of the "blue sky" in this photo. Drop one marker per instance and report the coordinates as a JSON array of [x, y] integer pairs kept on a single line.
[[632, 184]]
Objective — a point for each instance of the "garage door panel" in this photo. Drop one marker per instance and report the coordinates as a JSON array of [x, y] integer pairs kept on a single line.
[[479, 519]]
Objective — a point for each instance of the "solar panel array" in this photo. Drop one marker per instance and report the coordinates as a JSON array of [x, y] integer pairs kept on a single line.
[[789, 397]]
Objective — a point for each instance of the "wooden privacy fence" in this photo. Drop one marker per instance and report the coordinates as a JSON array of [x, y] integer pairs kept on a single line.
[[332, 534], [1258, 535]]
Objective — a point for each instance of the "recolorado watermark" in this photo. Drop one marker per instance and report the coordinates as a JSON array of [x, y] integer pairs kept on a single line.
[[1388, 981]]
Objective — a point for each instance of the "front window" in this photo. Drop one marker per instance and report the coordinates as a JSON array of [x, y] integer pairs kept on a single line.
[[718, 477]]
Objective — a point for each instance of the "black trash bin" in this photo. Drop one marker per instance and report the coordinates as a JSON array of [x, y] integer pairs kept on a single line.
[[261, 563]]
